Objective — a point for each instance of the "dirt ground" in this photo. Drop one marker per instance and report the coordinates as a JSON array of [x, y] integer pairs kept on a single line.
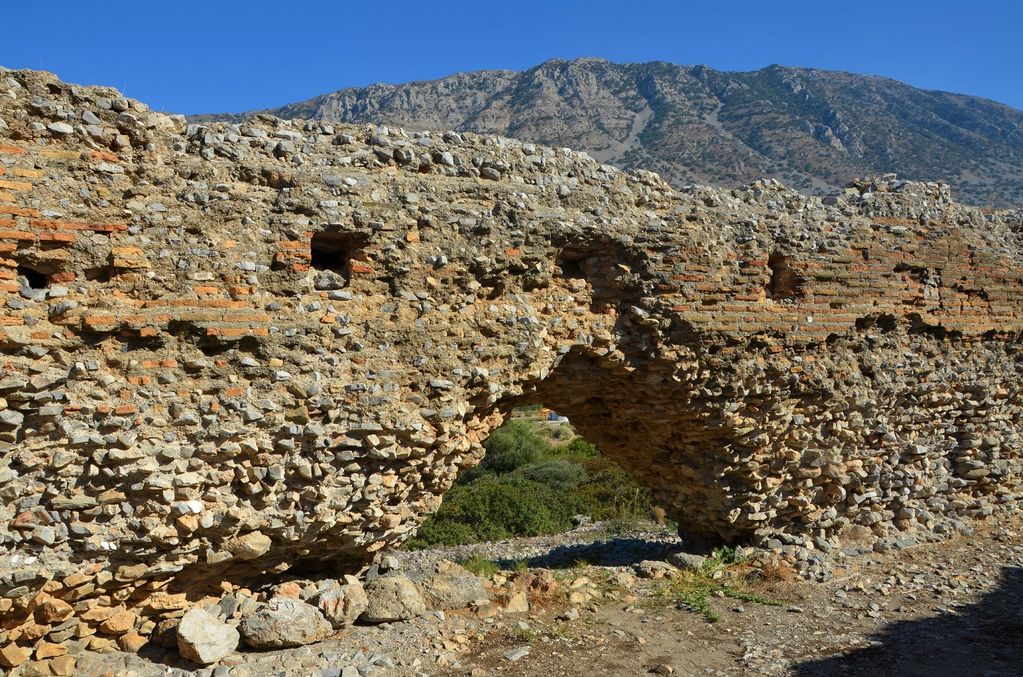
[[940, 609], [952, 608]]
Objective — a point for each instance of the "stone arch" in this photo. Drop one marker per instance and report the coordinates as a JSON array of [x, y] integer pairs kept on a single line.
[[646, 421], [749, 418]]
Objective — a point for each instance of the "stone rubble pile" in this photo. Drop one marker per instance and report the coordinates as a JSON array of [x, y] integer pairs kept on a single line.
[[230, 351]]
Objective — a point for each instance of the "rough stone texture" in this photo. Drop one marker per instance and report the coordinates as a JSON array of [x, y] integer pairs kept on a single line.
[[204, 638], [343, 604], [12, 655], [810, 128], [283, 623], [392, 598], [305, 331], [517, 603], [446, 585], [250, 546], [686, 560]]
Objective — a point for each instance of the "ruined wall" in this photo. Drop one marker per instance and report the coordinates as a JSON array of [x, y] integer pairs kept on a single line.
[[231, 349]]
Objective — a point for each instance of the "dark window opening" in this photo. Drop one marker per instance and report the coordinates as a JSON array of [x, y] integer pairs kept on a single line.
[[31, 278], [571, 264], [917, 325], [784, 284], [335, 251], [212, 346], [100, 274]]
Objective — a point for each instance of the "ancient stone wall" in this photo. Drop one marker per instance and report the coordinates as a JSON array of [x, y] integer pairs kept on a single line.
[[230, 350]]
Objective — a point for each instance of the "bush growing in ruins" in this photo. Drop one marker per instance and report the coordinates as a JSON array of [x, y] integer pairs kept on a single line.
[[608, 492], [526, 486], [557, 473], [512, 446], [578, 448], [493, 508]]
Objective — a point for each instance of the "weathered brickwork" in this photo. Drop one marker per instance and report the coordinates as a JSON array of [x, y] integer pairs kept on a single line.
[[306, 331]]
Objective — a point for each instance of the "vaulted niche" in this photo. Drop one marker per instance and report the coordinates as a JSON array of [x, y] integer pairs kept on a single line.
[[785, 283], [571, 263], [335, 251]]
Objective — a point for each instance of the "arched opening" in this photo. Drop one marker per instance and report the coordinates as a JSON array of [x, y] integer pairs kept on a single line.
[[591, 269], [657, 430], [660, 454], [570, 263], [539, 476]]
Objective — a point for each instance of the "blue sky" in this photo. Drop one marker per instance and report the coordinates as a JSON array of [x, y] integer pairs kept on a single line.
[[229, 55]]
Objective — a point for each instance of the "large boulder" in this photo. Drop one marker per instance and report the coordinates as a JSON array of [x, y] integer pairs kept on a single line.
[[392, 598], [686, 560], [283, 623], [447, 585], [342, 604], [204, 638], [250, 546]]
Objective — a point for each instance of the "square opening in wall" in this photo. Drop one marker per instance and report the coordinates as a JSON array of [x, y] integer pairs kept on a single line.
[[334, 252], [31, 278]]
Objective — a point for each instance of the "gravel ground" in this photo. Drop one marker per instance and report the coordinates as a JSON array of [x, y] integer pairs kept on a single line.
[[599, 544], [950, 608]]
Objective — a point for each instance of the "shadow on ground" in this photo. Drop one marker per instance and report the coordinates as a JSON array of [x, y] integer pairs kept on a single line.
[[983, 639], [613, 552]]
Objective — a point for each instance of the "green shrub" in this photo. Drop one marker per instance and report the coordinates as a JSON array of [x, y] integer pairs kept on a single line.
[[608, 492], [558, 474], [437, 530], [526, 487], [493, 508], [480, 566], [557, 432], [578, 448], [512, 446]]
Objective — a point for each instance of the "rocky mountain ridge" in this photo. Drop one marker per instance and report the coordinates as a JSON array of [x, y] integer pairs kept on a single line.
[[814, 130]]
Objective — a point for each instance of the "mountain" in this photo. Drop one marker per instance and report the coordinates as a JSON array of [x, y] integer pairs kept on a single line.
[[813, 130]]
